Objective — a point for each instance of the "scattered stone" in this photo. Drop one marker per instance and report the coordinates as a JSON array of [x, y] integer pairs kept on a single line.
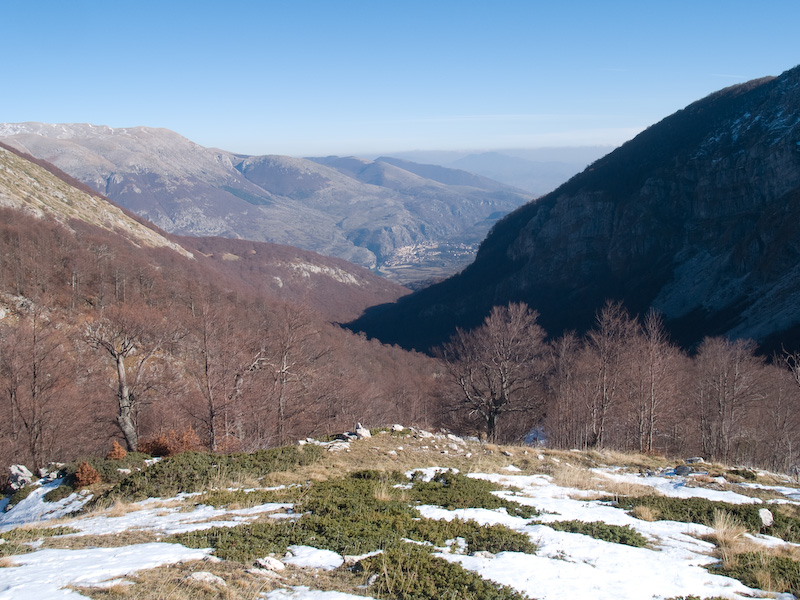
[[207, 578], [683, 470], [392, 453], [19, 477], [507, 453], [767, 518], [362, 432], [468, 455], [424, 434], [338, 446], [263, 573], [455, 438], [398, 428], [372, 579], [210, 558], [483, 554], [694, 460], [454, 447], [271, 563]]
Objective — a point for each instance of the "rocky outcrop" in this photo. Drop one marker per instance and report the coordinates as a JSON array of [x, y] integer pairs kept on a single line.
[[697, 217]]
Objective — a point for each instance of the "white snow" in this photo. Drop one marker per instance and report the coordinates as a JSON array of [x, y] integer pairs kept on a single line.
[[33, 509], [302, 592], [313, 558], [173, 519], [44, 574], [566, 565]]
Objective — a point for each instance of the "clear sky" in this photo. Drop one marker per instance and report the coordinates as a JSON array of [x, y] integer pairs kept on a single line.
[[314, 77]]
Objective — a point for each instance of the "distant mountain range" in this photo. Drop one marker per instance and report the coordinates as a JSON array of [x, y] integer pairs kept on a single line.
[[697, 217], [335, 288], [408, 221], [535, 170]]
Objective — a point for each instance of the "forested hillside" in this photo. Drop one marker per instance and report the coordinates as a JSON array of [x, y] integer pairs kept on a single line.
[[103, 336]]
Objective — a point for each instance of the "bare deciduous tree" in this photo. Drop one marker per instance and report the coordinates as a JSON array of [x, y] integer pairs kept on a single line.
[[497, 367], [727, 385], [608, 345], [655, 365], [35, 379], [131, 341]]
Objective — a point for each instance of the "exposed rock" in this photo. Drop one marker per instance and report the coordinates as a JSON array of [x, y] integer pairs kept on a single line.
[[338, 446], [205, 577], [263, 573], [683, 470], [362, 432], [483, 554], [19, 476], [767, 518], [695, 460], [397, 428], [271, 563]]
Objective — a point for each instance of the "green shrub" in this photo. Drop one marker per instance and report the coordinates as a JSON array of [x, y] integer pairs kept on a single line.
[[751, 568], [700, 510], [408, 572], [452, 490], [199, 471], [602, 531], [353, 515], [745, 474], [220, 498], [20, 495], [59, 493]]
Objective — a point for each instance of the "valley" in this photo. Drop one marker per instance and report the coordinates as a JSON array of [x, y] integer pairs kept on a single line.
[[359, 210]]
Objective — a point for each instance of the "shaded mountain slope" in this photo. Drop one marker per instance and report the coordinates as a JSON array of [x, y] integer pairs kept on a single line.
[[698, 217]]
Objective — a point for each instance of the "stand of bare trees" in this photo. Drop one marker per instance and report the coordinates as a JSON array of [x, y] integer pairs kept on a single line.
[[625, 386]]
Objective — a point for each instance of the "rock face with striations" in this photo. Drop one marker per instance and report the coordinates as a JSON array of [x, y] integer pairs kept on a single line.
[[697, 217]]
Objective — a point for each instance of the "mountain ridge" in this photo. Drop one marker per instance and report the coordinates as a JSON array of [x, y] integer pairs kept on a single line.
[[379, 216], [693, 217]]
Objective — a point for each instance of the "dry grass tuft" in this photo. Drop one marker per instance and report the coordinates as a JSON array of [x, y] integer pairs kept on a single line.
[[7, 562], [646, 513], [110, 540], [729, 536]]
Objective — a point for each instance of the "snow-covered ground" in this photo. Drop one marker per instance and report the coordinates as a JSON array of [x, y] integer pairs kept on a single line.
[[566, 565]]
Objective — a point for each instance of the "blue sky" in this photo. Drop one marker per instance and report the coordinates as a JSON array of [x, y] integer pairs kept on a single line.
[[321, 77]]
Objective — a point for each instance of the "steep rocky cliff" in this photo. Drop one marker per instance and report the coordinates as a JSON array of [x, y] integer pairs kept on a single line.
[[698, 217]]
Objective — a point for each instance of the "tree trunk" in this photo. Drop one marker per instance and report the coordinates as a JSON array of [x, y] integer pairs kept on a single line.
[[125, 417]]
